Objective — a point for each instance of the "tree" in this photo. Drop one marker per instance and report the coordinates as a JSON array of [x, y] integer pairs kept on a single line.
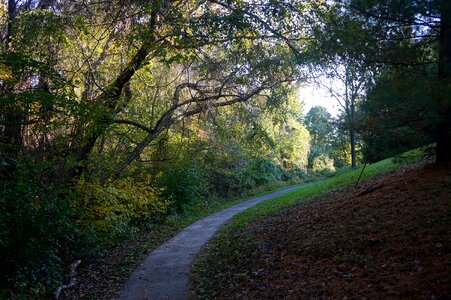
[[219, 53], [318, 122], [407, 33], [342, 49], [388, 37]]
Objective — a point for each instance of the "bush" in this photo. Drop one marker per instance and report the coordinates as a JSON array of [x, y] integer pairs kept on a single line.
[[36, 230], [182, 183], [323, 164], [118, 208], [263, 171], [44, 226], [234, 179], [297, 175]]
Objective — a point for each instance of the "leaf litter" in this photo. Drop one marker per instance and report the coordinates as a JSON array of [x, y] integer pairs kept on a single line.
[[389, 238]]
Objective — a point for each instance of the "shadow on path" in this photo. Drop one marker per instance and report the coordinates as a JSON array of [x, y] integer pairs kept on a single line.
[[164, 273]]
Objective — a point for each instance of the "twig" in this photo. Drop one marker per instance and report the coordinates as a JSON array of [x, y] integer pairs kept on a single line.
[[72, 280], [361, 173], [370, 189]]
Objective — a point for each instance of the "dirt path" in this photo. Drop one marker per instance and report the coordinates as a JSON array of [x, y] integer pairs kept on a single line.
[[164, 273]]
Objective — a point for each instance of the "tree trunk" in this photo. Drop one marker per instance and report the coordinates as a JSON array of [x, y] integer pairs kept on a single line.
[[12, 134], [443, 139], [11, 17], [353, 153], [443, 146]]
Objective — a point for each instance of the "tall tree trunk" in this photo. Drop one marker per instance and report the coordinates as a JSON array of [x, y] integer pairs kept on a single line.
[[11, 17], [350, 116], [443, 146], [12, 134], [353, 152]]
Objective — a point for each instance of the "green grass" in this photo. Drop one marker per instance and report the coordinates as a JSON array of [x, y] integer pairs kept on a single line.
[[321, 187]]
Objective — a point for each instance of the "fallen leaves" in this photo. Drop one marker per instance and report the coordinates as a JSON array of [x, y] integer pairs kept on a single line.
[[389, 238]]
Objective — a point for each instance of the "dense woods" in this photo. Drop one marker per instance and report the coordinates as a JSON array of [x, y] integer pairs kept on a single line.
[[116, 114]]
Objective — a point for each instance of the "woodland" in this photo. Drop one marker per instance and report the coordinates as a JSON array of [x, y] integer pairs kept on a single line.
[[116, 115]]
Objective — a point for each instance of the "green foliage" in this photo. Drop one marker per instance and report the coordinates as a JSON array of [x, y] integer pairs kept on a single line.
[[182, 183], [255, 173], [326, 143], [318, 122], [229, 179], [400, 113], [297, 175], [341, 150], [323, 164], [39, 33], [45, 104], [36, 230], [43, 226], [117, 209]]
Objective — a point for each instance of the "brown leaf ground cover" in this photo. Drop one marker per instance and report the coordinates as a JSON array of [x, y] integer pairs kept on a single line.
[[388, 239], [103, 275]]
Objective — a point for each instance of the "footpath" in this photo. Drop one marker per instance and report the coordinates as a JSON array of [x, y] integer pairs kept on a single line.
[[164, 273]]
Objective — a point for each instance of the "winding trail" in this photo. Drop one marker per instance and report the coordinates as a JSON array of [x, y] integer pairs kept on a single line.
[[164, 273]]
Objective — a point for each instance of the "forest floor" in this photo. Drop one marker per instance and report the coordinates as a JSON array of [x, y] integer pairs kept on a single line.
[[389, 238]]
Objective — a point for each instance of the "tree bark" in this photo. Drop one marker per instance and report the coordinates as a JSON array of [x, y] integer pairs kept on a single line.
[[350, 115], [168, 120], [443, 139], [11, 17], [109, 102], [12, 134], [353, 152]]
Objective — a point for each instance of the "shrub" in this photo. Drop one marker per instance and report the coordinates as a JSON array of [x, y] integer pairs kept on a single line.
[[262, 171], [182, 183], [117, 209], [36, 229], [323, 164], [235, 179], [297, 175]]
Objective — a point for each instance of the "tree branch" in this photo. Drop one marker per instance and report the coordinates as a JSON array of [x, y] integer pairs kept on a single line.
[[133, 123], [167, 120]]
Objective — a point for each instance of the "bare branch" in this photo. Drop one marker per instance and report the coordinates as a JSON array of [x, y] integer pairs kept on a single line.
[[133, 123]]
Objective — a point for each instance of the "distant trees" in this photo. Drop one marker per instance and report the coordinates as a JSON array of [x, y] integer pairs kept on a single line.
[[344, 46], [364, 43], [318, 122], [329, 144]]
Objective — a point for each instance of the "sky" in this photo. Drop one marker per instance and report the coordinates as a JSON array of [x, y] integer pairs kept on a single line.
[[312, 96]]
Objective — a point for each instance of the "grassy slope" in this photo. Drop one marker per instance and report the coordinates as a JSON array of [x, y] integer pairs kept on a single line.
[[233, 246], [325, 186]]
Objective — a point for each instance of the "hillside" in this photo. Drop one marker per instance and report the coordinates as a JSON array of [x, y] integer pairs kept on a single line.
[[389, 238]]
